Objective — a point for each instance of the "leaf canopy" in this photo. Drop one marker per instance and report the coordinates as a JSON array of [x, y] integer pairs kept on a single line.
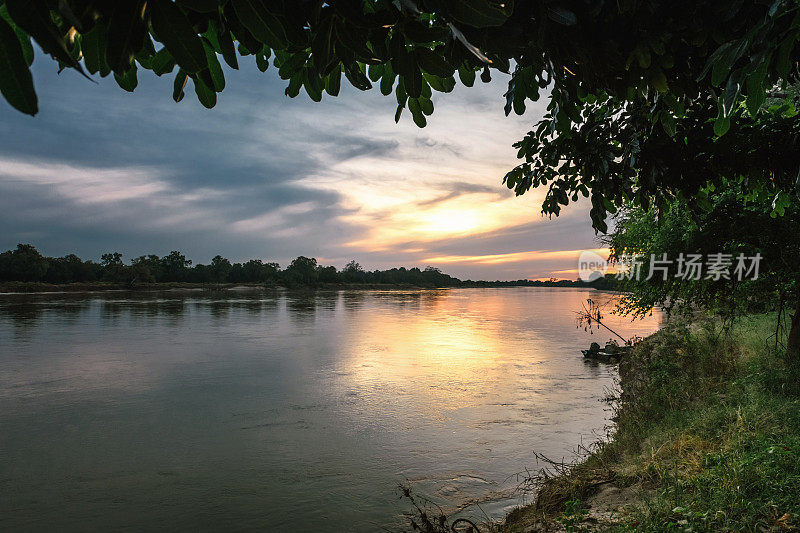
[[642, 95]]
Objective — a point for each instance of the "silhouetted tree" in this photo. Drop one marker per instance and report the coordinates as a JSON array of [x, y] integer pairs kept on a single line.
[[353, 273], [67, 269], [327, 274], [26, 264], [220, 268], [302, 270], [23, 264], [153, 264], [113, 268], [175, 266]]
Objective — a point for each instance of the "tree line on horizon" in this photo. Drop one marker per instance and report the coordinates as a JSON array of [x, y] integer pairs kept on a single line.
[[27, 264]]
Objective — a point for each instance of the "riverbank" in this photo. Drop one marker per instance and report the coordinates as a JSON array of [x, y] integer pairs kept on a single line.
[[37, 287], [8, 287], [707, 439]]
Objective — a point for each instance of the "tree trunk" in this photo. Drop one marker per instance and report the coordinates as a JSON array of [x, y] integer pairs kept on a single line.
[[793, 342]]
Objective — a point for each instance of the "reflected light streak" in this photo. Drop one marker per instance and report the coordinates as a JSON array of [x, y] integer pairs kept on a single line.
[[513, 257], [448, 344]]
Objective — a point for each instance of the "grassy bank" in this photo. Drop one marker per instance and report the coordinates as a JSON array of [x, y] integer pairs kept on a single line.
[[707, 439]]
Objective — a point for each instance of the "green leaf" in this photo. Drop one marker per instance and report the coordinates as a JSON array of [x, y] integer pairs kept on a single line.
[[442, 85], [783, 63], [416, 112], [467, 75], [509, 97], [205, 76], [205, 95], [426, 105], [720, 70], [756, 92], [266, 27], [780, 203], [375, 72], [291, 64], [162, 63], [731, 93], [295, 84], [406, 67], [519, 103], [16, 82], [562, 15], [400, 93], [659, 80], [227, 48], [675, 105], [179, 85], [387, 81], [432, 63], [24, 38], [248, 44], [479, 13], [211, 35], [357, 78], [125, 34], [93, 45], [127, 80], [214, 68], [334, 82], [262, 62], [322, 48], [200, 6], [426, 89], [721, 126], [313, 85], [34, 18], [179, 37], [668, 123]]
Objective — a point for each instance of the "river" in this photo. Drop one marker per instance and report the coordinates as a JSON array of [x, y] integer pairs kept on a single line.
[[288, 411]]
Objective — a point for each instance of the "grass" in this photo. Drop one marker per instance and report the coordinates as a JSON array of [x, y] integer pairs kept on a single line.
[[707, 439]]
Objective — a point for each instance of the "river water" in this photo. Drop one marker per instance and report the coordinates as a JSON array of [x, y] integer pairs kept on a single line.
[[283, 411]]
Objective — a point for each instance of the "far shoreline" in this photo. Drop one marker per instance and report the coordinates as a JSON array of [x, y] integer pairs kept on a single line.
[[19, 288]]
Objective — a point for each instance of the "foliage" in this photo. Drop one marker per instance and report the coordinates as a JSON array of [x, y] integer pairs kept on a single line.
[[26, 264], [23, 264], [302, 271], [728, 441], [639, 91], [727, 227], [706, 438], [621, 154]]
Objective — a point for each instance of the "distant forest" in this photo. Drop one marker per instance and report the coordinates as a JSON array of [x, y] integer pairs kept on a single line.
[[27, 265]]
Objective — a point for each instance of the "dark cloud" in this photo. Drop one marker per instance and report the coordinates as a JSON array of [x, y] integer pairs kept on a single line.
[[460, 189], [427, 142], [261, 175]]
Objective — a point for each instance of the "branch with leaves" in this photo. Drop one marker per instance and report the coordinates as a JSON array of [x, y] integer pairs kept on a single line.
[[624, 81]]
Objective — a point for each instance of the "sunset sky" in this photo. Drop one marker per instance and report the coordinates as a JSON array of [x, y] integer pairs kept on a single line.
[[266, 176]]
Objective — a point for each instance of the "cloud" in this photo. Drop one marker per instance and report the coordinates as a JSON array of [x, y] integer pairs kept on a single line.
[[263, 175], [138, 209], [83, 186], [532, 255], [460, 189]]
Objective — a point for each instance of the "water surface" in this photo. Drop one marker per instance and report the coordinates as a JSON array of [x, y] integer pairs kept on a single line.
[[278, 411]]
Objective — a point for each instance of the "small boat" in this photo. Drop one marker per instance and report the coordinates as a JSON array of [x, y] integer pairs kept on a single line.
[[611, 353]]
